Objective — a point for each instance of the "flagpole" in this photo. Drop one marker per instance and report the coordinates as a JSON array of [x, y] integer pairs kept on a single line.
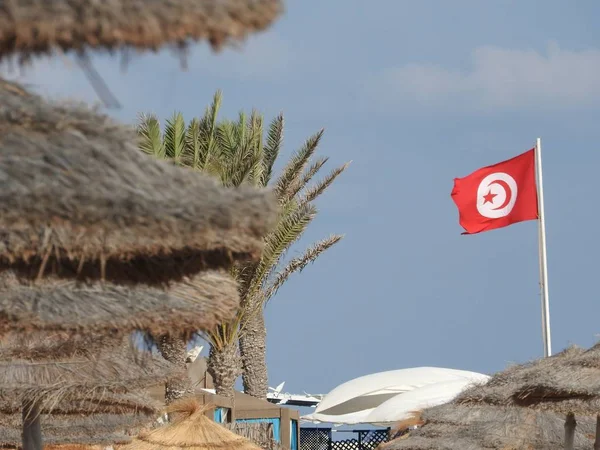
[[542, 253]]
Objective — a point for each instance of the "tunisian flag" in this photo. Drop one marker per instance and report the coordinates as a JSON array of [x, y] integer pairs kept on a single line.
[[497, 196]]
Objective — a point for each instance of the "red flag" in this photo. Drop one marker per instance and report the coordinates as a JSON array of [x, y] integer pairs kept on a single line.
[[497, 196]]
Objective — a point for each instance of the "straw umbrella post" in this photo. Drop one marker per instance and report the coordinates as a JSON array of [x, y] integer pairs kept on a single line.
[[190, 429], [98, 238], [525, 406]]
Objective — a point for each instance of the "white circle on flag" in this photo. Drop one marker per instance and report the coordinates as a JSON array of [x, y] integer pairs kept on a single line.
[[496, 195]]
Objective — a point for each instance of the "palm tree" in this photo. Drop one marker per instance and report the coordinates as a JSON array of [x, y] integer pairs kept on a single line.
[[239, 152]]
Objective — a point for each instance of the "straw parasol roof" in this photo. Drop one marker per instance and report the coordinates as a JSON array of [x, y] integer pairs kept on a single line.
[[93, 401], [101, 384], [53, 346], [93, 393], [461, 427], [31, 27], [79, 199], [88, 309], [108, 381], [96, 429], [41, 346], [190, 429], [522, 407], [11, 438]]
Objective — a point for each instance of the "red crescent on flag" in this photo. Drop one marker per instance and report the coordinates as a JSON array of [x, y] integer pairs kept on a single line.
[[507, 192]]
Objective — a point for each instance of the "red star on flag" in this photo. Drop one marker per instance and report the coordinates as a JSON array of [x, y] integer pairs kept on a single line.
[[489, 197]]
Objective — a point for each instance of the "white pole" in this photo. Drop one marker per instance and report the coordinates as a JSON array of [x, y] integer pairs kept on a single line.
[[542, 252]]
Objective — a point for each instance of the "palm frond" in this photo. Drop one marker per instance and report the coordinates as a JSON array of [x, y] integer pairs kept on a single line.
[[247, 156], [308, 175], [174, 139], [239, 130], [286, 209], [272, 148], [313, 192], [246, 275], [225, 333], [237, 153], [294, 168], [229, 332], [226, 135], [192, 155], [208, 127], [255, 129], [151, 141], [298, 265], [226, 143], [288, 230]]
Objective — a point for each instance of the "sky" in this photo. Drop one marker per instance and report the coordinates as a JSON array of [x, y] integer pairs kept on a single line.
[[414, 94]]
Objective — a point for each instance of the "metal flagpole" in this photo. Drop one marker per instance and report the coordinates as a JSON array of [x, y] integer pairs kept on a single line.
[[542, 253]]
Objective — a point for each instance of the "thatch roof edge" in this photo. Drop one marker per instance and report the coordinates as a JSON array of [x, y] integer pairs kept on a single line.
[[34, 28], [181, 309], [108, 201]]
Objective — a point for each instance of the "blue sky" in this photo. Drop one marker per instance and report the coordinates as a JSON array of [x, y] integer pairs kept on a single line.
[[415, 94]]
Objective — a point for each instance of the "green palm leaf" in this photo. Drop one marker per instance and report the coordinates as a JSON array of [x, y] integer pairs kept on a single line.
[[308, 175], [175, 138], [314, 191], [151, 141], [272, 148], [292, 172], [288, 230], [255, 128], [208, 127], [193, 147], [298, 264]]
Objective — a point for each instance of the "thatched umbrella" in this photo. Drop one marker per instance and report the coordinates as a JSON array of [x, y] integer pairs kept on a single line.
[[94, 308], [80, 202], [97, 415], [109, 379], [32, 27], [106, 429], [98, 238], [93, 395], [11, 438], [523, 407], [63, 386], [36, 346], [190, 429]]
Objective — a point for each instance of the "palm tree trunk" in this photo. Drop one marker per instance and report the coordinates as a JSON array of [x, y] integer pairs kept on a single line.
[[174, 350], [253, 349], [224, 366]]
